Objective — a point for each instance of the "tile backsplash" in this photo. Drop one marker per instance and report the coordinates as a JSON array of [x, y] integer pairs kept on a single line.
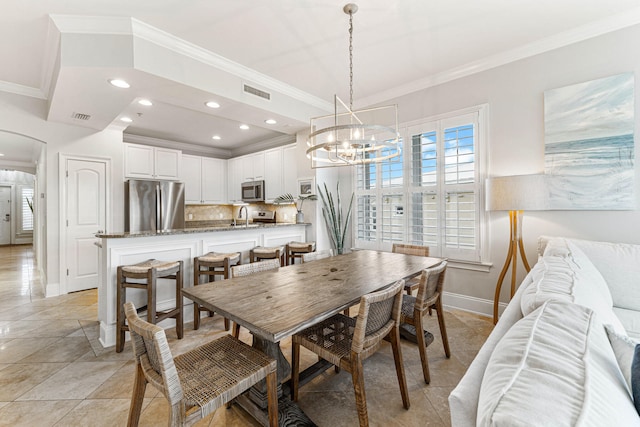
[[284, 213]]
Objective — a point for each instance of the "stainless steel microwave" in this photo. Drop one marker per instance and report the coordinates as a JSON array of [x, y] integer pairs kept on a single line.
[[253, 191]]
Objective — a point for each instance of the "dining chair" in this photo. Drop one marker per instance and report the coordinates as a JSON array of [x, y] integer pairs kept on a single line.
[[197, 382], [249, 269], [346, 342], [414, 309], [404, 248], [314, 256]]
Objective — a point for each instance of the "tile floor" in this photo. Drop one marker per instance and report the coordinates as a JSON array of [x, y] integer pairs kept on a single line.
[[54, 372]]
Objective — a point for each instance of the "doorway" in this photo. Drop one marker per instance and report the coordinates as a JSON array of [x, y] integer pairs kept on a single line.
[[84, 215], [5, 215]]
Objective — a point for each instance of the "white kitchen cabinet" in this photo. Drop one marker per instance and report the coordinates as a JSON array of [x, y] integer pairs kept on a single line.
[[273, 173], [234, 179], [205, 180], [290, 170], [214, 180], [192, 178], [146, 162], [252, 167]]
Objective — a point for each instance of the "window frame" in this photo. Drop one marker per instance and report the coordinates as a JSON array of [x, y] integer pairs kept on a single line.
[[479, 259], [20, 190]]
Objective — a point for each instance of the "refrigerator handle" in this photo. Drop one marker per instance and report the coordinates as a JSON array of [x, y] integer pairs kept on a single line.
[[158, 208]]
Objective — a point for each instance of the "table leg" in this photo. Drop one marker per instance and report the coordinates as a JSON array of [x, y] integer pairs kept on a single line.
[[255, 401]]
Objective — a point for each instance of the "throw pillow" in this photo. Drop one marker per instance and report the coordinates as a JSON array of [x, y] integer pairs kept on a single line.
[[624, 349], [635, 378]]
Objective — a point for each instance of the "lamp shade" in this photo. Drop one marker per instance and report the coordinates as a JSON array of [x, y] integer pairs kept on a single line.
[[516, 193]]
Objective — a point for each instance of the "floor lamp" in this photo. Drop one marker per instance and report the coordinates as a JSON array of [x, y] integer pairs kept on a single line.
[[514, 194]]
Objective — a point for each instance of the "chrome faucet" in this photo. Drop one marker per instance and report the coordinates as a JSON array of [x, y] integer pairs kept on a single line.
[[246, 212]]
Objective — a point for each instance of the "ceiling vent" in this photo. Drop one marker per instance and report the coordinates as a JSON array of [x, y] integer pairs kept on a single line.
[[80, 116], [257, 92]]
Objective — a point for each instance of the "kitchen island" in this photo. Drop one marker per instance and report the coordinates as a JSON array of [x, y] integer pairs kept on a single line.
[[173, 245]]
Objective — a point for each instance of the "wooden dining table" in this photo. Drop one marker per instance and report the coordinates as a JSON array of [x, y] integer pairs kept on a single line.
[[276, 304]]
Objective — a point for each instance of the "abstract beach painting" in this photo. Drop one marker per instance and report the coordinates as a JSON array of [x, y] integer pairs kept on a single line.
[[589, 145]]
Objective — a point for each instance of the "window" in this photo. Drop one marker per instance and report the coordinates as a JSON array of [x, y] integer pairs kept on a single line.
[[25, 223], [430, 195]]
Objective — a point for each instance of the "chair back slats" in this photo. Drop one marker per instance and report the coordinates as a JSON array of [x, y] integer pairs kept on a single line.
[[255, 267], [431, 284], [403, 248], [377, 315], [152, 351], [314, 256]]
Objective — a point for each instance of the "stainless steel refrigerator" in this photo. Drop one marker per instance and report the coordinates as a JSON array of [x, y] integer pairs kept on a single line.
[[153, 205]]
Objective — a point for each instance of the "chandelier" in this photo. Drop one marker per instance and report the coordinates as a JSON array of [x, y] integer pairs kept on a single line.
[[353, 137]]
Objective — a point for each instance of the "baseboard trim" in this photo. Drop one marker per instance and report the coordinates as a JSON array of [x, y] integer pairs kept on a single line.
[[471, 304], [52, 290]]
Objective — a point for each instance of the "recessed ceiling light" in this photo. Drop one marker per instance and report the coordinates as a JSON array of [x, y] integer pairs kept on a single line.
[[212, 104], [1, 154], [145, 102], [244, 127], [216, 137], [270, 122], [126, 119], [119, 83]]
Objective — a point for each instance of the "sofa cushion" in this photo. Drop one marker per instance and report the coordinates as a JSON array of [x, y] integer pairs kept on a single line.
[[630, 319], [555, 367], [624, 348], [565, 273], [619, 264]]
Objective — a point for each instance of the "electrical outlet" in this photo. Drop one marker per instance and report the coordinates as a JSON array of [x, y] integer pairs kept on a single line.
[[286, 217], [220, 215], [190, 216]]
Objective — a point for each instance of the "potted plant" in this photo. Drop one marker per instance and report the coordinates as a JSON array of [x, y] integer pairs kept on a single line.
[[288, 199], [336, 222]]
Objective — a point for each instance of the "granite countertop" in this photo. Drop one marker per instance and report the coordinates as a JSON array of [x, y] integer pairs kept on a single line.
[[195, 229]]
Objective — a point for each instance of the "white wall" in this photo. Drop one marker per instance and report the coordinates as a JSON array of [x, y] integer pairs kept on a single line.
[[514, 93], [26, 116]]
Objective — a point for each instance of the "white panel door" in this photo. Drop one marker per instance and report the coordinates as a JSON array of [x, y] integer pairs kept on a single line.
[[86, 215], [5, 215]]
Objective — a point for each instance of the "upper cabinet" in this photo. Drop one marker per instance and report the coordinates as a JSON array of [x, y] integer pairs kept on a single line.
[[205, 180], [273, 173], [290, 170], [146, 162], [276, 166], [234, 179], [253, 167]]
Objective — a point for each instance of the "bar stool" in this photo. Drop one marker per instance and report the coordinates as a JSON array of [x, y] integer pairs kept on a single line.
[[214, 264], [297, 249], [151, 270], [260, 253]]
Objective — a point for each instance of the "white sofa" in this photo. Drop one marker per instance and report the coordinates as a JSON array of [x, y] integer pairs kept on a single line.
[[555, 356]]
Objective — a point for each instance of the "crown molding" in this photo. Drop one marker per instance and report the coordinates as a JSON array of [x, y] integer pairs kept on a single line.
[[566, 38], [263, 145], [17, 89], [177, 145], [131, 26]]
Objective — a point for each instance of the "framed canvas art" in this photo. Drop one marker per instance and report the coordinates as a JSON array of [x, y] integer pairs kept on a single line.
[[589, 144]]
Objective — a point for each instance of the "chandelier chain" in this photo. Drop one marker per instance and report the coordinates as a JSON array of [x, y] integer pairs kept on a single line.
[[350, 60]]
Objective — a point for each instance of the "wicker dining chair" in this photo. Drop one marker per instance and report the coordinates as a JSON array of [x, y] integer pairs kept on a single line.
[[249, 269], [414, 309], [403, 248], [199, 381], [314, 256], [346, 342]]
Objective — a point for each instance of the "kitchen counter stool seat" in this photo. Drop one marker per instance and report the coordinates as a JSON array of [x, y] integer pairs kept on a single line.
[[297, 249], [260, 253], [212, 264], [149, 270]]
